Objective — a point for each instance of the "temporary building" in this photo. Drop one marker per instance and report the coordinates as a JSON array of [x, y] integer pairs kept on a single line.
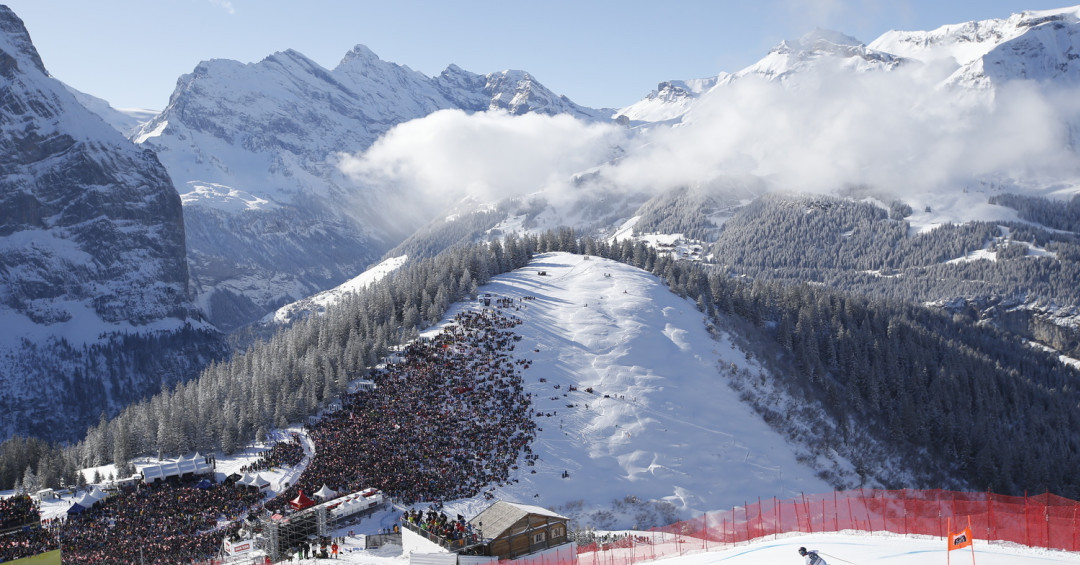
[[365, 500], [326, 493], [196, 465], [301, 501], [259, 482], [90, 498]]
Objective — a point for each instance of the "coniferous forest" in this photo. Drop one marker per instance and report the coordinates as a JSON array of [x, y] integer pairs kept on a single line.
[[955, 403]]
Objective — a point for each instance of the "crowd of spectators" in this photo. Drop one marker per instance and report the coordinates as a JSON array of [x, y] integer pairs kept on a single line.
[[17, 511], [19, 532], [26, 542], [174, 521], [281, 454], [447, 418], [455, 532]]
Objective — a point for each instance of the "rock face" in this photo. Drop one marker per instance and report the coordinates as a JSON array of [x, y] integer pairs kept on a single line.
[[92, 259], [254, 148]]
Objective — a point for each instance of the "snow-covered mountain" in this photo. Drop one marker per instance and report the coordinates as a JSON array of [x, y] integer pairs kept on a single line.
[[1032, 45], [670, 100], [92, 258], [126, 120], [795, 57], [788, 61], [318, 303], [1036, 45], [254, 149]]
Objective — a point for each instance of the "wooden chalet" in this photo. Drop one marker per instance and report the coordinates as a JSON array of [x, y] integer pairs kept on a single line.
[[511, 530]]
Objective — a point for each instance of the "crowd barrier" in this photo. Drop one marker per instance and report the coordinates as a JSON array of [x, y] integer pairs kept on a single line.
[[1046, 521]]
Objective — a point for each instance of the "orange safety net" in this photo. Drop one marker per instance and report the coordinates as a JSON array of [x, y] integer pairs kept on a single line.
[[1045, 520]]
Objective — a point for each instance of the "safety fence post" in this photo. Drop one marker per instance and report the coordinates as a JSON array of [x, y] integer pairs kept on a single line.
[[850, 513], [1046, 517], [746, 519], [1027, 522], [903, 507], [836, 512], [779, 519], [705, 529]]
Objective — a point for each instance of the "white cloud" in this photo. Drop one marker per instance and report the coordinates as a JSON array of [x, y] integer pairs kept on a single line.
[[489, 155], [225, 5], [900, 133], [897, 132]]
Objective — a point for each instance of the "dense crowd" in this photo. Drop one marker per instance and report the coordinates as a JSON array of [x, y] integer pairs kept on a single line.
[[447, 418], [16, 511], [281, 454], [22, 543], [170, 522], [19, 534], [454, 531]]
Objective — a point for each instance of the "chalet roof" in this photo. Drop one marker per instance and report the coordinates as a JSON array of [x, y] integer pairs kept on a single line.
[[500, 516]]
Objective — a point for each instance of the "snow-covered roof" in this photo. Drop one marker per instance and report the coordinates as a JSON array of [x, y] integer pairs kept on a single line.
[[500, 516], [176, 468]]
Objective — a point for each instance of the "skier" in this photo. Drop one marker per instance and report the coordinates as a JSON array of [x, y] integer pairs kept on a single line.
[[812, 558]]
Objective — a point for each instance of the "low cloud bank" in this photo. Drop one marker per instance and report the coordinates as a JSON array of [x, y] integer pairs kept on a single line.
[[898, 132], [489, 155]]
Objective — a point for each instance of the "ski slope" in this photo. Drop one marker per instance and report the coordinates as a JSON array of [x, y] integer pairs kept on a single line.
[[661, 423], [836, 549]]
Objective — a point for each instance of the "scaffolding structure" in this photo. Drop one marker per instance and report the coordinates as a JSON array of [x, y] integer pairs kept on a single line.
[[283, 533], [301, 527]]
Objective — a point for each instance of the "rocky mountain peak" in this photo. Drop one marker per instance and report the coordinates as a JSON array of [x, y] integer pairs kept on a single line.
[[93, 259], [360, 56], [15, 42]]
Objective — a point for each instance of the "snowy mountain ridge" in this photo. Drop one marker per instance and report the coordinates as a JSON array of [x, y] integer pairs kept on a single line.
[[1035, 45], [272, 132]]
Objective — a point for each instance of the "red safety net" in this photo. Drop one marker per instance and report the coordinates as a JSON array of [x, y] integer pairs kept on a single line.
[[1045, 520]]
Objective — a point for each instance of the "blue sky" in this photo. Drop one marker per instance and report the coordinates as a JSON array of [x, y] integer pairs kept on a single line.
[[600, 53]]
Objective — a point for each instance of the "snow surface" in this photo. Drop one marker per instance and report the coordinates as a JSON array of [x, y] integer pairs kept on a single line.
[[837, 549], [323, 300], [223, 197], [669, 429], [661, 424]]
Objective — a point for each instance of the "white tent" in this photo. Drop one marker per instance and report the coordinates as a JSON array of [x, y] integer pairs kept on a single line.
[[326, 493], [88, 499], [259, 482]]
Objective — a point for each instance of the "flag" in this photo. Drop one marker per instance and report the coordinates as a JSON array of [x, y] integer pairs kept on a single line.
[[959, 540]]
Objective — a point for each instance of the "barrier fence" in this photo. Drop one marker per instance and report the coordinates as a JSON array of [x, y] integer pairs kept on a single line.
[[1045, 520]]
